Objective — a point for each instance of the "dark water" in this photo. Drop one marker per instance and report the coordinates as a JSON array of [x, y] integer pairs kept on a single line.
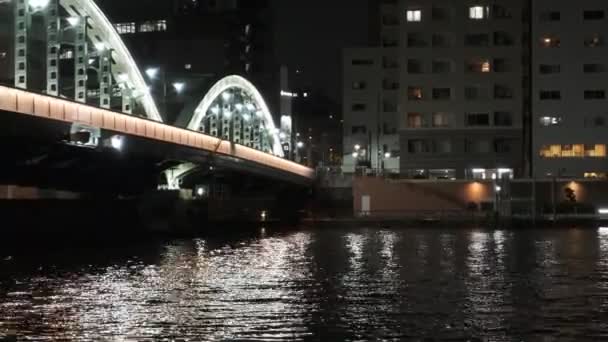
[[338, 285]]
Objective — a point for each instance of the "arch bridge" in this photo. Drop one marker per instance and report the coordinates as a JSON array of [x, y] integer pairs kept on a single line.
[[85, 80]]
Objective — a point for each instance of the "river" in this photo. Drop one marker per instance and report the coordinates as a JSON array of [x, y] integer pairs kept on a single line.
[[314, 285]]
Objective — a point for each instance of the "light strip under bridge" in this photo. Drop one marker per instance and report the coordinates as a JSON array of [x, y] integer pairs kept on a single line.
[[53, 108]]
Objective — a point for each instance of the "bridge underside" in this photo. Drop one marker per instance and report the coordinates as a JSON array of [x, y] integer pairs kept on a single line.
[[34, 152]]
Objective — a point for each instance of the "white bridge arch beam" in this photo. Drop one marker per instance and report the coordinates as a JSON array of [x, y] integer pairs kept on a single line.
[[235, 81], [101, 29]]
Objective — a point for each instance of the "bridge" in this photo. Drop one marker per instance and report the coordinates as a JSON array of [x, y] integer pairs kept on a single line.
[[83, 91]]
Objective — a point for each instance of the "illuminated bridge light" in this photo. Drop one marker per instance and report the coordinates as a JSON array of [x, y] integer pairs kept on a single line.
[[245, 117]]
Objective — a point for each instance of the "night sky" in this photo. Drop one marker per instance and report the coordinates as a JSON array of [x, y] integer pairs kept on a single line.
[[311, 34]]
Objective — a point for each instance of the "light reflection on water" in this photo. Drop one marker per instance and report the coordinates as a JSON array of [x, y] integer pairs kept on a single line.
[[333, 285]]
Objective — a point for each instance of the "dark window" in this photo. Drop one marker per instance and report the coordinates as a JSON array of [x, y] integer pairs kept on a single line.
[[359, 85], [550, 95], [595, 94], [550, 68], [502, 146], [359, 107], [478, 119], [362, 62], [414, 66], [503, 92], [477, 39], [550, 16], [504, 119], [442, 93], [593, 15], [418, 146], [502, 38], [593, 68], [359, 130]]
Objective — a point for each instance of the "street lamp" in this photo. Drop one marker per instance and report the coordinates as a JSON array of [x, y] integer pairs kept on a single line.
[[117, 142], [387, 155], [300, 144], [357, 147], [152, 73], [179, 86]]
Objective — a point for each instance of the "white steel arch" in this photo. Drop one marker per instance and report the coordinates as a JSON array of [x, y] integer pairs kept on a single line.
[[101, 29], [235, 81]]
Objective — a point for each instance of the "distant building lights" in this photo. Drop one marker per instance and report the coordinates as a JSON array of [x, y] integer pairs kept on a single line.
[[288, 94]]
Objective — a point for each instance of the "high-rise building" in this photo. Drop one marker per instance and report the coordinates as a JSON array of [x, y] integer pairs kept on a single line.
[[220, 38], [444, 95], [570, 122]]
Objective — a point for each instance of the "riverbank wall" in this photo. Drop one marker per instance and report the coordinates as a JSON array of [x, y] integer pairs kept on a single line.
[[532, 200]]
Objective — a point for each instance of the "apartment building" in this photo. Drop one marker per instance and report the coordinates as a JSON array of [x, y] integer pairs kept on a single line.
[[370, 128], [569, 88], [444, 95]]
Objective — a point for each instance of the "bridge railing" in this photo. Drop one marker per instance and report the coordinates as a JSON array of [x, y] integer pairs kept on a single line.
[[49, 107]]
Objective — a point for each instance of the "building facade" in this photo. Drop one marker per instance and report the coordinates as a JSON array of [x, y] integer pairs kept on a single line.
[[570, 122], [443, 96], [221, 38]]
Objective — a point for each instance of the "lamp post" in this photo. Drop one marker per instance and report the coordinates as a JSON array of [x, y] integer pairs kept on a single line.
[[180, 82]]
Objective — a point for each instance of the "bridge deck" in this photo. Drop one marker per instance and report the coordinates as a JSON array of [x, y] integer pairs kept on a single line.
[[48, 107]]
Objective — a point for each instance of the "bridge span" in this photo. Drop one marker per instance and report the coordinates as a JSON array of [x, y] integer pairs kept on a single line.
[[122, 126]]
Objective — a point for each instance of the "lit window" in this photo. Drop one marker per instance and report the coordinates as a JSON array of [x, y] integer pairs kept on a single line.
[[479, 12], [601, 175], [67, 54], [485, 66], [161, 26], [550, 121], [441, 119], [125, 28], [414, 93], [550, 42], [153, 26], [573, 151], [414, 15], [415, 120]]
